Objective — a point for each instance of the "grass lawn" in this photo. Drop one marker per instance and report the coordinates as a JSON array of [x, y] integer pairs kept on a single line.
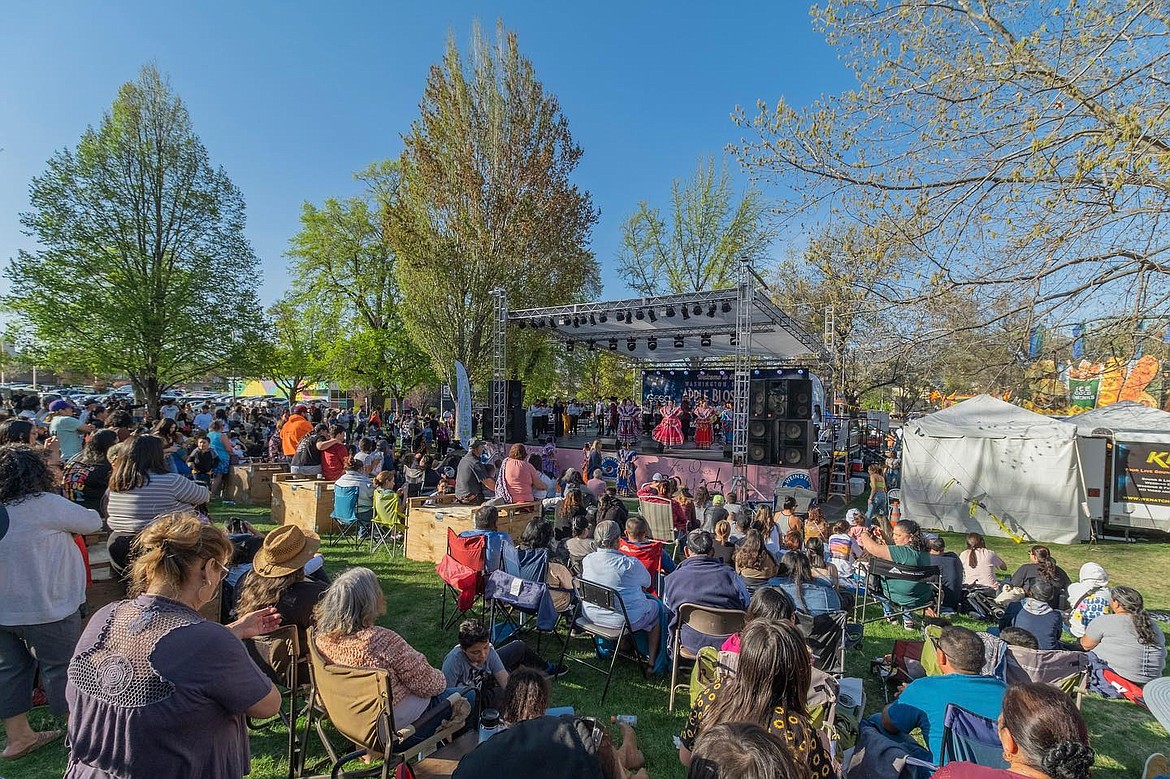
[[1122, 734]]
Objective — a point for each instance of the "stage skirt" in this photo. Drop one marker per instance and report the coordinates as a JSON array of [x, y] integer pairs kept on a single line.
[[704, 434], [669, 431]]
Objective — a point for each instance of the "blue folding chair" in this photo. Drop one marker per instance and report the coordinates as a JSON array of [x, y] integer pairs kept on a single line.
[[345, 515], [970, 737]]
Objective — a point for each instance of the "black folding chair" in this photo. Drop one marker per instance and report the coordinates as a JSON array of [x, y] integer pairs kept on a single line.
[[879, 573], [825, 636], [609, 599], [278, 655]]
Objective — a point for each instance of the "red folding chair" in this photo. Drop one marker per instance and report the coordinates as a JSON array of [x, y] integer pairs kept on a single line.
[[649, 555], [463, 571]]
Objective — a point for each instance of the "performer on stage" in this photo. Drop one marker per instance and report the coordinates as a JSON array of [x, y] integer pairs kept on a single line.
[[627, 484], [727, 424], [548, 458], [668, 432], [628, 418], [704, 419], [612, 410]]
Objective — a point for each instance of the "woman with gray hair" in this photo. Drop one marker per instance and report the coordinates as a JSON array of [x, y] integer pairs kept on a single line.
[[609, 567], [346, 635]]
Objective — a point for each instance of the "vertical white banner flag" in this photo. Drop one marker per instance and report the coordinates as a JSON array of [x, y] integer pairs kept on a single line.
[[462, 404]]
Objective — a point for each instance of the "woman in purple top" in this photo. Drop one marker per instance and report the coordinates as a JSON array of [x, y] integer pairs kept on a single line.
[[156, 690]]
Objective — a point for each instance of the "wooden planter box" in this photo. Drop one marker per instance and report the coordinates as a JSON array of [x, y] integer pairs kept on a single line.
[[427, 538], [251, 484], [301, 500]]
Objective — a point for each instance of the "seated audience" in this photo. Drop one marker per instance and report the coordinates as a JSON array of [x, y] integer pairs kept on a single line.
[[724, 550], [1088, 598], [843, 550], [952, 572], [521, 481], [704, 581], [536, 542], [611, 507], [142, 487], [572, 505], [86, 477], [742, 751], [1034, 615], [768, 604], [578, 747], [43, 581], [501, 551], [980, 564], [714, 512], [474, 662], [739, 528], [821, 568], [184, 686], [857, 524], [346, 635], [909, 548], [1043, 736], [596, 485], [1127, 640], [355, 476], [278, 578], [924, 701], [526, 696], [787, 520], [473, 481], [581, 545], [816, 526], [649, 551], [609, 567], [752, 561], [1042, 565], [810, 594], [1014, 636], [769, 690]]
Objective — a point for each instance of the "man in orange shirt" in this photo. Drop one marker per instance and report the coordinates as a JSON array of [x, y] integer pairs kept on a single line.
[[294, 429]]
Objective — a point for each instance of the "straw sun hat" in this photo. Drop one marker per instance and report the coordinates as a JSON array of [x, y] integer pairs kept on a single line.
[[285, 550]]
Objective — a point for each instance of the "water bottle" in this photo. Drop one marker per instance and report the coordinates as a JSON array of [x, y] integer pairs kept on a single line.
[[625, 719], [489, 724]]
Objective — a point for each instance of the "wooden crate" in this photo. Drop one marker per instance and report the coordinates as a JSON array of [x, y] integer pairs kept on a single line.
[[251, 484], [305, 501], [426, 539]]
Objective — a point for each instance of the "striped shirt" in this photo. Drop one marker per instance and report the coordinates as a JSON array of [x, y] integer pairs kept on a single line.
[[132, 510]]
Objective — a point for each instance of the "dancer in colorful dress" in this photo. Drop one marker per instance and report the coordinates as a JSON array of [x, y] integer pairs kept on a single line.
[[629, 416], [704, 421], [548, 458], [727, 424], [668, 432], [627, 483]]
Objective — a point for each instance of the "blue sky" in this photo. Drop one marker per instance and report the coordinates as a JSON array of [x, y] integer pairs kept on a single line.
[[292, 97]]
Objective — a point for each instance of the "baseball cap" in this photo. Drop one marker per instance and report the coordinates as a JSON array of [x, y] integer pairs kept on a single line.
[[61, 405], [300, 408], [657, 477]]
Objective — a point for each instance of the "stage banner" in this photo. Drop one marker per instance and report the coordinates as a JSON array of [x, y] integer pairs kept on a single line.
[[678, 385], [462, 404], [1142, 473]]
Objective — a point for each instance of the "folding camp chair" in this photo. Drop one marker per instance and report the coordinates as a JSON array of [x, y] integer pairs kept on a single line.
[[359, 704], [388, 527], [345, 515], [463, 571], [970, 737], [611, 600], [1067, 669], [278, 655], [710, 621], [650, 556], [660, 517], [825, 636], [879, 572], [524, 602]]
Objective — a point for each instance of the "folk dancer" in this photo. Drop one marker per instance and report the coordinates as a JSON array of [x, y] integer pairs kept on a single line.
[[727, 424], [627, 483], [669, 432], [704, 422], [629, 416]]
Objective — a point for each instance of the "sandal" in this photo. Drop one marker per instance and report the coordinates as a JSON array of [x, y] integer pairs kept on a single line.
[[44, 737]]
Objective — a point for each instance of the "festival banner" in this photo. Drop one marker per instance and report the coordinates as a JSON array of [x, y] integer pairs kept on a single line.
[[718, 387], [462, 404], [1141, 473]]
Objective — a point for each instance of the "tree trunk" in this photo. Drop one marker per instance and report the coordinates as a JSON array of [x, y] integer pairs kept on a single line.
[[149, 392]]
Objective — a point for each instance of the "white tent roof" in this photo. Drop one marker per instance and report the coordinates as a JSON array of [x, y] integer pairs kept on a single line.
[[984, 416], [1125, 419]]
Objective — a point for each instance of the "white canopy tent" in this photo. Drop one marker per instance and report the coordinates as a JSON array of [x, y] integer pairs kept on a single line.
[[1125, 419], [987, 466]]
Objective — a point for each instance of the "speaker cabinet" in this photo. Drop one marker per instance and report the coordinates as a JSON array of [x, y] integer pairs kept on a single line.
[[796, 444], [762, 436], [799, 399]]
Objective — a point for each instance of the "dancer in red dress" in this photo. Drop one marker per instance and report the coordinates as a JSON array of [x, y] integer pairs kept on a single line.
[[704, 425], [668, 432]]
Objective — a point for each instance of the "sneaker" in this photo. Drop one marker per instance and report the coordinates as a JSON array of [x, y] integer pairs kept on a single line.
[[909, 624], [555, 671]]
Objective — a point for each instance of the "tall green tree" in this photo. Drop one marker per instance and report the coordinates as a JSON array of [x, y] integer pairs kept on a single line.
[[700, 245], [1030, 143], [344, 269], [485, 200], [295, 357], [142, 268]]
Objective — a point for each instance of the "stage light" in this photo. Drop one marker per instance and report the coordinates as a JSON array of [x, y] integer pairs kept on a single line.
[[613, 344], [652, 315], [592, 321], [711, 310], [538, 322], [565, 320], [602, 318], [733, 341], [697, 309], [640, 315], [670, 311], [705, 341], [651, 343], [629, 316], [569, 345], [520, 324], [576, 321], [631, 344], [679, 342], [726, 307], [621, 317]]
